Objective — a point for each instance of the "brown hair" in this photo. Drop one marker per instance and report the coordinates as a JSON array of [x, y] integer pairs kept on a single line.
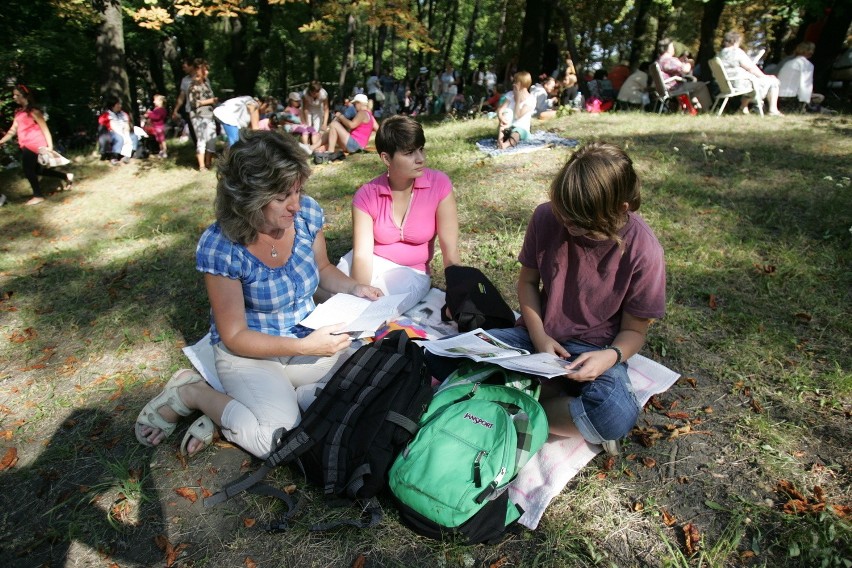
[[805, 48], [399, 133], [731, 38], [590, 190]]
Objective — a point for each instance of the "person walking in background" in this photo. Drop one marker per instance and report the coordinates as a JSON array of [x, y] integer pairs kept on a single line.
[[449, 86], [31, 129], [181, 110], [201, 102], [156, 118], [315, 107]]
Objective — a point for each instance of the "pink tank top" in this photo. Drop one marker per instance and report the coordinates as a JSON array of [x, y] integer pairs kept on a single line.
[[29, 132], [361, 133]]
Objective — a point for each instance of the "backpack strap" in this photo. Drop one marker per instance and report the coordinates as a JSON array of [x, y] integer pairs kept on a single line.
[[371, 516], [282, 523], [296, 444]]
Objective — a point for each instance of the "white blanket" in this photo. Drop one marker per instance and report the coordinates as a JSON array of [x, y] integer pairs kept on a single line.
[[550, 470]]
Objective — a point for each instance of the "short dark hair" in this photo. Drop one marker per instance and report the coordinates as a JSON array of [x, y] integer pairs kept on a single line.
[[591, 188], [261, 165], [399, 133]]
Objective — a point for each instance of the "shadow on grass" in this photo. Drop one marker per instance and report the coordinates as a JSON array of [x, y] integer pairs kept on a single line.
[[74, 492]]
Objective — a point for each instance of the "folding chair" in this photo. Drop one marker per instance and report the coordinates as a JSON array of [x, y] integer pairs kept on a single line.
[[727, 89], [663, 93]]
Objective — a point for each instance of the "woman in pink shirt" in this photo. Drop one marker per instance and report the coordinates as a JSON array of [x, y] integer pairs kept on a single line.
[[397, 216], [353, 135], [32, 132]]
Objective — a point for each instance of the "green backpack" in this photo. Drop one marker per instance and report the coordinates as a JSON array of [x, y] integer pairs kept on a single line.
[[451, 479]]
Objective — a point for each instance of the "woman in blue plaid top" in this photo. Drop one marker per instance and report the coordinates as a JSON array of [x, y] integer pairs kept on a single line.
[[262, 261]]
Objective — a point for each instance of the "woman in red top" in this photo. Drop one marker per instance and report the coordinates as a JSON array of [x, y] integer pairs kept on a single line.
[[32, 132]]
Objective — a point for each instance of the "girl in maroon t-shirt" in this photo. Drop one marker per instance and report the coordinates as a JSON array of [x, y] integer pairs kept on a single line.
[[592, 279]]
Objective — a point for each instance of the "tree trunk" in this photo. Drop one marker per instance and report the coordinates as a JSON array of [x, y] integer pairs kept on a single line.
[[471, 34], [109, 51], [501, 31], [534, 35], [245, 58], [454, 17], [830, 42], [709, 22], [568, 27], [349, 53], [640, 30], [381, 37]]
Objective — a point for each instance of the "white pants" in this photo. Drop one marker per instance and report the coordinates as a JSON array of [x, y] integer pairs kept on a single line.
[[268, 394], [392, 278]]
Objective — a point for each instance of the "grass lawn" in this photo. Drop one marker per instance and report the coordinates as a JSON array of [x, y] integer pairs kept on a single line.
[[744, 462]]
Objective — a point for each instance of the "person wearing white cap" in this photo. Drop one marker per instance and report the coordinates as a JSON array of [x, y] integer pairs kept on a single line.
[[353, 135], [421, 91]]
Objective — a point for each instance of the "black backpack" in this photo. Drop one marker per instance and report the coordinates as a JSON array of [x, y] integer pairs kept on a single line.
[[350, 435], [473, 301]]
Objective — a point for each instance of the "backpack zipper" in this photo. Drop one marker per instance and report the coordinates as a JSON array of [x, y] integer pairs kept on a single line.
[[477, 473]]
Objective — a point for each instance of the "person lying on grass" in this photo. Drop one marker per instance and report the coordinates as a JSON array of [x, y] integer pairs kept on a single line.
[[262, 261], [592, 279]]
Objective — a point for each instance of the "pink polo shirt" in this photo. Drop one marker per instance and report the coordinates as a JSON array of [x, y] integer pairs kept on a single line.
[[412, 244]]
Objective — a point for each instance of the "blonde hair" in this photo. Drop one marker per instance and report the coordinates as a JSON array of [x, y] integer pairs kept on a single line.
[[524, 78], [592, 187], [159, 98]]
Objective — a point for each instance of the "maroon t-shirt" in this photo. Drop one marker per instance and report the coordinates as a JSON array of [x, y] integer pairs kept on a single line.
[[588, 283]]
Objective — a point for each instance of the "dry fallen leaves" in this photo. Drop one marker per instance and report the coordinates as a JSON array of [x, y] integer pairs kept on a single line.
[[649, 462], [10, 458], [249, 562], [359, 561], [170, 551], [249, 522], [187, 493], [668, 519], [500, 562], [692, 538]]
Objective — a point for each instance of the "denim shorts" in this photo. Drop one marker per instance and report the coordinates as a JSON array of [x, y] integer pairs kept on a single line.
[[352, 146], [602, 409]]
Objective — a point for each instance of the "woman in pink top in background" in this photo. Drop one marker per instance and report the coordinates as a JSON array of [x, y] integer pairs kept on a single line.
[[30, 127], [397, 216], [353, 135]]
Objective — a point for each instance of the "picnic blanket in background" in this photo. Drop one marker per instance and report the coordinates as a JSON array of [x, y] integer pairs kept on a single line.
[[559, 460], [537, 141]]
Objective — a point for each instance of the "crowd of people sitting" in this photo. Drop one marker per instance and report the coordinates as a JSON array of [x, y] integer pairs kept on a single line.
[[329, 129]]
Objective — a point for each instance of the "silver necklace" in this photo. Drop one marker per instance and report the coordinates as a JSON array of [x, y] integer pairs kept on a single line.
[[274, 252]]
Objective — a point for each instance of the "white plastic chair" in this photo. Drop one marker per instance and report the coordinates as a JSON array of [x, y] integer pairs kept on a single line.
[[727, 89]]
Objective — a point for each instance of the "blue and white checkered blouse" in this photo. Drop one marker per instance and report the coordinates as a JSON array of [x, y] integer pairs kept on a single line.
[[276, 299]]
